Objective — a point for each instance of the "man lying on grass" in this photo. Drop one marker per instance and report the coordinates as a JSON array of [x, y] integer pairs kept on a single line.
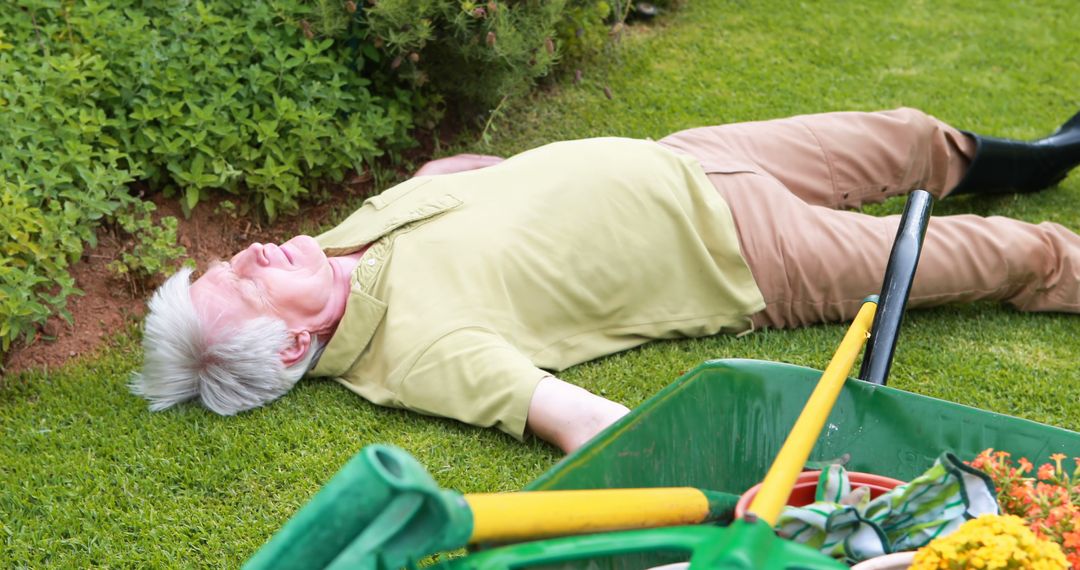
[[459, 292]]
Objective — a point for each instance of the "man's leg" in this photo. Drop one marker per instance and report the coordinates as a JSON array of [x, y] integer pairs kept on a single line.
[[814, 264], [840, 160]]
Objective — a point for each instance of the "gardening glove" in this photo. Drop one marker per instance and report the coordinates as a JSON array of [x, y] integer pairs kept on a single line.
[[906, 518]]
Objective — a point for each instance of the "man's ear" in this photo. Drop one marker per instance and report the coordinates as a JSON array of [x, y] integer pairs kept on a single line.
[[301, 342]]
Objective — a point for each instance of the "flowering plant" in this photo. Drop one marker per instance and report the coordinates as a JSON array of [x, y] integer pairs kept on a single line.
[[1049, 503], [991, 542]]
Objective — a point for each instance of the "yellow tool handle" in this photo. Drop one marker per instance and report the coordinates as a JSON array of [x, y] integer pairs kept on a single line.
[[506, 517], [773, 496]]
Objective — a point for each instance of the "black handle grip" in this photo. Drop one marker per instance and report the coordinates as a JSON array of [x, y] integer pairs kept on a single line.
[[899, 275]]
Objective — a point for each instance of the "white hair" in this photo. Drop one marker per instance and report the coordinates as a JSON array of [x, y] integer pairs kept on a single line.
[[228, 372]]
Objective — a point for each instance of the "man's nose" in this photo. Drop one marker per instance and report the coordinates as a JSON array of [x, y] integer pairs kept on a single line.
[[252, 256]]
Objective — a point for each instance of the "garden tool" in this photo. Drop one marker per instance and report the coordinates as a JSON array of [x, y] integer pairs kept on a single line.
[[895, 289]]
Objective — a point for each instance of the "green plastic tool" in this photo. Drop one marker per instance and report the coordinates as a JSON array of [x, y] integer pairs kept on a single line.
[[381, 510]]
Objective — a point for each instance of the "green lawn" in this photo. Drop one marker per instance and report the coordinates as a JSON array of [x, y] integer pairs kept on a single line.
[[89, 478]]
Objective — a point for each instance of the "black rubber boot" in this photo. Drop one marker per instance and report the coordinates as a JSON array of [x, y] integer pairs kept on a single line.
[[1003, 166]]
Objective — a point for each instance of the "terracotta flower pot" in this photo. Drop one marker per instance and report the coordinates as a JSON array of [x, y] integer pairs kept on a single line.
[[806, 487]]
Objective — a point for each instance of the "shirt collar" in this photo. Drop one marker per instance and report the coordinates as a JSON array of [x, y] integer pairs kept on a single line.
[[362, 317], [363, 314]]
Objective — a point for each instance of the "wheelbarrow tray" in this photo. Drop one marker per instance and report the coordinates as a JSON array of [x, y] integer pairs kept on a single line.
[[720, 425]]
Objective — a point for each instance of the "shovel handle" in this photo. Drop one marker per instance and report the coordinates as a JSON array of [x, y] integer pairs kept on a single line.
[[899, 275]]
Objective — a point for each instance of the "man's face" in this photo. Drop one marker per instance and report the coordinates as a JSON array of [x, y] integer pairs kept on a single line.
[[291, 282]]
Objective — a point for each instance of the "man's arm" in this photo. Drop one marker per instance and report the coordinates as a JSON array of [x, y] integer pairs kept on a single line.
[[475, 376], [458, 163], [567, 415]]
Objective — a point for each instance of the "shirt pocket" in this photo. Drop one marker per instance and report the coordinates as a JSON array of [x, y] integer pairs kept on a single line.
[[384, 199], [408, 213], [729, 166]]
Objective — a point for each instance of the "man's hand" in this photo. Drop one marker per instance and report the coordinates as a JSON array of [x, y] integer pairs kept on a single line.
[[458, 163], [567, 415]]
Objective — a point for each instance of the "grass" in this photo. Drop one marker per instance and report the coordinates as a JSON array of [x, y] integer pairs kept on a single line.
[[89, 478]]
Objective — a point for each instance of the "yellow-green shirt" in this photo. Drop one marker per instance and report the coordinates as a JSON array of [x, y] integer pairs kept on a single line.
[[478, 282]]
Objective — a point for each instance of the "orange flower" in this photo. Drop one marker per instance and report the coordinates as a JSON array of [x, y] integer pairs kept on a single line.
[[983, 457], [1057, 457], [1023, 494], [1071, 539], [1046, 471], [1056, 515], [1073, 558], [1025, 465]]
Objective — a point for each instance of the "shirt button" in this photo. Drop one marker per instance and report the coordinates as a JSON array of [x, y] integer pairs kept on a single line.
[[371, 262]]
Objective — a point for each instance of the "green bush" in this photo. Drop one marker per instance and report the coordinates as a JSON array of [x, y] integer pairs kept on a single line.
[[58, 177], [473, 51], [582, 31], [235, 95], [477, 54], [189, 96], [35, 247]]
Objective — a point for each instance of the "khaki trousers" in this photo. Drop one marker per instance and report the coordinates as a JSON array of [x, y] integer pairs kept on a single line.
[[786, 181]]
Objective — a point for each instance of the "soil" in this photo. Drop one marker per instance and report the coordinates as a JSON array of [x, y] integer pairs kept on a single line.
[[111, 304]]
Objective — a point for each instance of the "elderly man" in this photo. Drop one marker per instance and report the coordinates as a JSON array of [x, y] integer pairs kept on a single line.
[[459, 292]]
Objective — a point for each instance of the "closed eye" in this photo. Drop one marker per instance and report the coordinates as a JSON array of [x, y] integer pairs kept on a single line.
[[247, 288], [251, 291]]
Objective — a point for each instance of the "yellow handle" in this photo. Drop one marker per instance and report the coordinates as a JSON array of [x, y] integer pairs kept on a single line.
[[778, 483], [506, 517]]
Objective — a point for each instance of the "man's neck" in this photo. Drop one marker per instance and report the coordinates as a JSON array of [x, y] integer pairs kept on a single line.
[[344, 267]]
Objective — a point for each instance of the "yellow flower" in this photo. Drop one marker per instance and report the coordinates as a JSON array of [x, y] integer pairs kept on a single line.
[[991, 542]]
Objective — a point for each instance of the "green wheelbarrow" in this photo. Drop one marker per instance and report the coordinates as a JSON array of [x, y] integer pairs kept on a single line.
[[717, 427]]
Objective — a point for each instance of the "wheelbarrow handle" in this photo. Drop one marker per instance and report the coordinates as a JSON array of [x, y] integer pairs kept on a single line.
[[899, 275]]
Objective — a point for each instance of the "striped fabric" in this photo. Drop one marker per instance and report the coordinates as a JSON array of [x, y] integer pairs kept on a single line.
[[852, 527]]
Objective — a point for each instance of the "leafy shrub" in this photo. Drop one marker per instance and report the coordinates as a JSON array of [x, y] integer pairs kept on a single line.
[[58, 179], [153, 253], [479, 53], [582, 31], [473, 51], [34, 251], [235, 95], [190, 96]]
